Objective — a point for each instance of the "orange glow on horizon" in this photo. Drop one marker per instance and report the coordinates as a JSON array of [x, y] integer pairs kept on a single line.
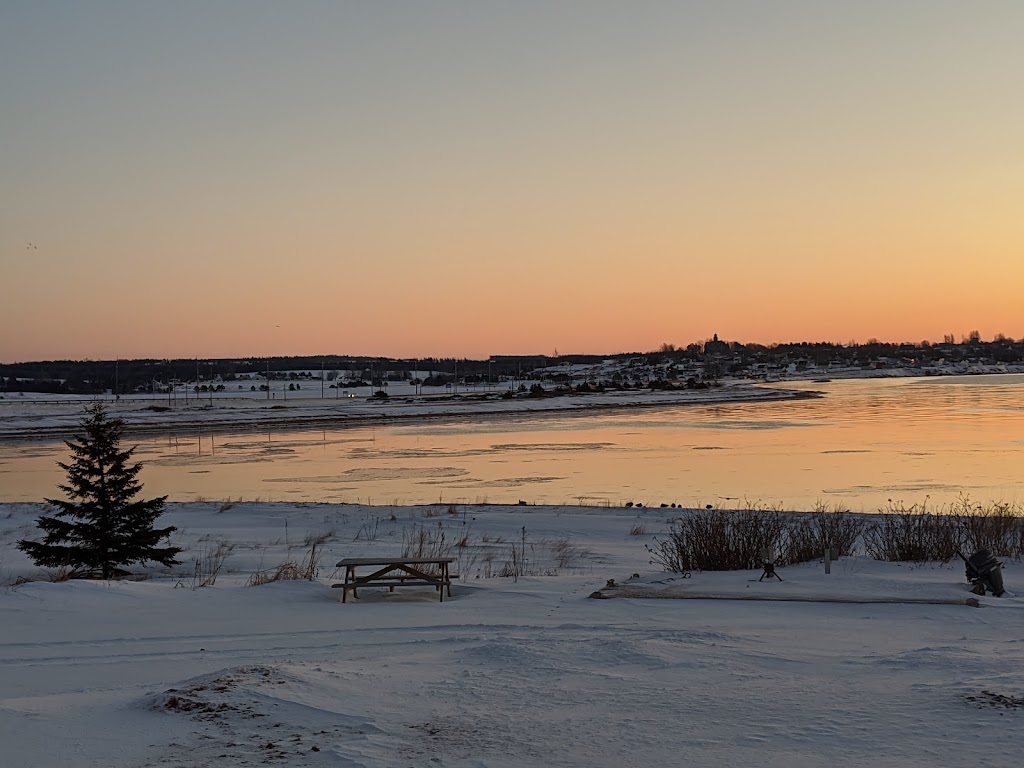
[[834, 172]]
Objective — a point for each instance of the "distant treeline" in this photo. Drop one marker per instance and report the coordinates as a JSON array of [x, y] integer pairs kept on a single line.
[[132, 376]]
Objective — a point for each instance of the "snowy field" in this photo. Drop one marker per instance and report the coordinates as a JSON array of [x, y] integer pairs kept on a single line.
[[525, 671]]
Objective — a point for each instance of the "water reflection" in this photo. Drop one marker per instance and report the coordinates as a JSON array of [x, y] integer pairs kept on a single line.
[[862, 443]]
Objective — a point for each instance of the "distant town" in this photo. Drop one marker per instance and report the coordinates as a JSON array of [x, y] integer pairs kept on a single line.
[[695, 365]]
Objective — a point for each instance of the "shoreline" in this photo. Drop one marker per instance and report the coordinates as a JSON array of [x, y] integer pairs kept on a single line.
[[54, 418], [46, 422]]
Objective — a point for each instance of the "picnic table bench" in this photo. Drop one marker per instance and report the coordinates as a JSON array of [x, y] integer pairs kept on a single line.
[[396, 572]]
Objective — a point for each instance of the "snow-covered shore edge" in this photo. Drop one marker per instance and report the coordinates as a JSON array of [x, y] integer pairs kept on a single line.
[[41, 420], [34, 416]]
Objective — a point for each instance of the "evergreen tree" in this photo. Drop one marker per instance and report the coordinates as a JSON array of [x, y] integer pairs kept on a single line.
[[100, 528]]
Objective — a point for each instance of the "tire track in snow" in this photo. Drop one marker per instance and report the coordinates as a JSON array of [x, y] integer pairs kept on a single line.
[[332, 639]]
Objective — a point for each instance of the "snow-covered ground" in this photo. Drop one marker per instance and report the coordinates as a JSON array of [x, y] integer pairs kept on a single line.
[[508, 672]]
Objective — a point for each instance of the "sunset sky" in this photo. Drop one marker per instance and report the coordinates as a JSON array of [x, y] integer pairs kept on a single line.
[[240, 178]]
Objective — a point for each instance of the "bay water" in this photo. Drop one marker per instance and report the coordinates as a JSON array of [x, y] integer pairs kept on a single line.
[[862, 444]]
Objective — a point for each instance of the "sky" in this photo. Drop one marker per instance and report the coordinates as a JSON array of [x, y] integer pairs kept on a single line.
[[232, 178]]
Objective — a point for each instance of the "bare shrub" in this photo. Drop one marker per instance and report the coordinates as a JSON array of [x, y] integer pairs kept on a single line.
[[49, 576], [466, 552], [638, 530], [209, 562], [721, 540], [837, 529], [566, 554], [369, 530], [58, 575], [801, 543], [809, 535], [286, 571], [487, 569], [309, 567], [521, 557], [998, 527], [306, 569], [517, 563], [465, 535], [672, 554], [912, 535], [424, 541]]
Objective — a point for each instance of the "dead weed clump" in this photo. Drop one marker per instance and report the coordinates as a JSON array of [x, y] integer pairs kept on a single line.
[[426, 541], [306, 568], [208, 564], [566, 554]]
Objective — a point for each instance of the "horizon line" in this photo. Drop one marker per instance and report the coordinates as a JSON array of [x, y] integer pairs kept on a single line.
[[873, 341]]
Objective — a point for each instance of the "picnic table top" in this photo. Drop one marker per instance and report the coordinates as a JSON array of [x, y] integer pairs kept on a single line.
[[394, 561]]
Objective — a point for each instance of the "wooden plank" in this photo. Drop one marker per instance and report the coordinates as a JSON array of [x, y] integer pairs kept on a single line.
[[394, 561], [395, 584]]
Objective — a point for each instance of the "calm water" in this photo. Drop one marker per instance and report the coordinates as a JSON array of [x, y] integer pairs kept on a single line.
[[863, 443]]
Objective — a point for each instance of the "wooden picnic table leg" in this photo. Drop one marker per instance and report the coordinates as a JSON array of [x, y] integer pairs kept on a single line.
[[447, 578], [350, 583]]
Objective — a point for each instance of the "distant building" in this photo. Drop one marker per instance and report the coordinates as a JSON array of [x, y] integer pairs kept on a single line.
[[716, 347]]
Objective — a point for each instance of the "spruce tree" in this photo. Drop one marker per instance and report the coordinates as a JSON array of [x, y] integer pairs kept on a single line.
[[100, 528]]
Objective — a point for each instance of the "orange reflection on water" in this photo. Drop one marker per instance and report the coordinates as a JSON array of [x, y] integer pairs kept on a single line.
[[861, 444]]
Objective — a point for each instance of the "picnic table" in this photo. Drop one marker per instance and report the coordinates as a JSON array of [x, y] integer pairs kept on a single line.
[[396, 572]]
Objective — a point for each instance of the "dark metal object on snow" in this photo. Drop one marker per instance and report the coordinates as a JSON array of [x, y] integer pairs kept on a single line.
[[984, 572], [768, 563]]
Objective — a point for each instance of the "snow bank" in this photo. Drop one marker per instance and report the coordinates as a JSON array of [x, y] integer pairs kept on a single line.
[[509, 672]]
